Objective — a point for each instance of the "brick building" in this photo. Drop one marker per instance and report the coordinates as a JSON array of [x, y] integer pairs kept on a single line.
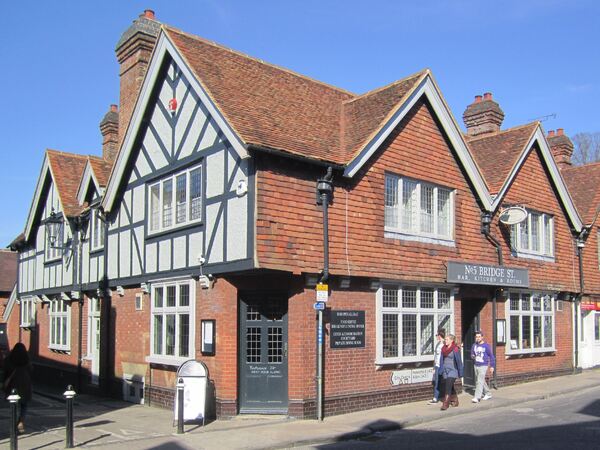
[[201, 216]]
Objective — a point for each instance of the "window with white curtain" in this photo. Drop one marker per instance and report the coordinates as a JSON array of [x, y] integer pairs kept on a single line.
[[408, 318], [176, 200], [530, 321], [534, 236], [417, 208]]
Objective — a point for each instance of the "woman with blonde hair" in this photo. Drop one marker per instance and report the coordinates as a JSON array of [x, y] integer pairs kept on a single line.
[[452, 368]]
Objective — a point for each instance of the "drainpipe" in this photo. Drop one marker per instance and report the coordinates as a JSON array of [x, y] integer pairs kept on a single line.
[[486, 221], [79, 264], [580, 246], [324, 197]]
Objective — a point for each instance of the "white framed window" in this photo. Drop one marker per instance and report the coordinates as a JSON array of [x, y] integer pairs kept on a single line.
[[54, 247], [419, 209], [534, 236], [96, 230], [93, 331], [598, 245], [60, 325], [172, 328], [27, 312], [530, 320], [408, 318], [176, 200], [597, 326]]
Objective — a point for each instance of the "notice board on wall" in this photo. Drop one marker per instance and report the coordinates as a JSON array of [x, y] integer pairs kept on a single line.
[[347, 329]]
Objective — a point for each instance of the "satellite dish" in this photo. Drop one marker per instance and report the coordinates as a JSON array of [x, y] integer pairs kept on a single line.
[[513, 215]]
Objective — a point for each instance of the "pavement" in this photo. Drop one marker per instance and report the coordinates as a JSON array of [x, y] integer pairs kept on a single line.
[[102, 422]]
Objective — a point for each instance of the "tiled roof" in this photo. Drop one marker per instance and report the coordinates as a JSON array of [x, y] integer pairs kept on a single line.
[[584, 185], [497, 153], [363, 116], [8, 270], [101, 168], [67, 169], [267, 105]]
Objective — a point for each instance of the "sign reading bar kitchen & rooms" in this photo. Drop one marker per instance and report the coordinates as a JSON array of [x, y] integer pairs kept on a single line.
[[483, 274]]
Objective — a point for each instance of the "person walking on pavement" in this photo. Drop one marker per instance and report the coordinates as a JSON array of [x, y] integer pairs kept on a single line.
[[17, 371], [482, 355], [452, 368], [437, 372]]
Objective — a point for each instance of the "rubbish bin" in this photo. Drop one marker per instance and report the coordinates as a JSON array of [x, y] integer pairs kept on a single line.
[[195, 379]]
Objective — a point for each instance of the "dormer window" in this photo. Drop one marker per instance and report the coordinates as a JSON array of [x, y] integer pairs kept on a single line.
[[96, 230], [417, 209], [534, 236]]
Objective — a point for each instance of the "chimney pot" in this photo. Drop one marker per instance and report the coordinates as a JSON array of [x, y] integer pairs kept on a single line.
[[478, 98], [560, 131], [114, 108], [487, 96], [149, 14], [551, 133]]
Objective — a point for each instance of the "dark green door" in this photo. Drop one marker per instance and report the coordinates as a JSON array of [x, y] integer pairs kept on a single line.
[[263, 354]]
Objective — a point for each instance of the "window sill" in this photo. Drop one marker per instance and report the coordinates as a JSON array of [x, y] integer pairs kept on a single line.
[[48, 262], [404, 360], [534, 256], [64, 351], [523, 353], [96, 250], [167, 360], [156, 234], [27, 326], [418, 238]]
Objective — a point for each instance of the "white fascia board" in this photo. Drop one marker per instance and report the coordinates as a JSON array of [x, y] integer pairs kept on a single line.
[[163, 47], [88, 175], [10, 304], [37, 196], [427, 87], [556, 178]]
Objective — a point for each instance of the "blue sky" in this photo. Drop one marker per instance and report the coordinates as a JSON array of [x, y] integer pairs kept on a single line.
[[59, 70]]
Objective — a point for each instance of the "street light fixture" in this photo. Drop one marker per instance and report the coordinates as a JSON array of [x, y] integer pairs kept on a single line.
[[54, 226]]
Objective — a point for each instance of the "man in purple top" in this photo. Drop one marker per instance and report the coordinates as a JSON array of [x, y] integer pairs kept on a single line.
[[483, 357]]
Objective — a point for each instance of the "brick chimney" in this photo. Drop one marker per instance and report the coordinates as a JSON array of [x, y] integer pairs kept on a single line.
[[562, 148], [483, 115], [109, 127], [133, 53]]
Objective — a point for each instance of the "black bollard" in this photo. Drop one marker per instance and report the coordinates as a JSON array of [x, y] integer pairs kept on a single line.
[[13, 398], [180, 387], [69, 394]]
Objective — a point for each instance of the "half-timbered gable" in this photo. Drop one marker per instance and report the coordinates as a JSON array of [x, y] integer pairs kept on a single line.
[[186, 193], [89, 195], [46, 266]]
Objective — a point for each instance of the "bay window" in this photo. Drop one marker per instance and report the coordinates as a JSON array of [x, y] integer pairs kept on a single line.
[[417, 208], [534, 236], [408, 318], [176, 200], [530, 323]]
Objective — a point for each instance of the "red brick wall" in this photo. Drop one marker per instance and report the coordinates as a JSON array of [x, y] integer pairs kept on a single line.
[[289, 224]]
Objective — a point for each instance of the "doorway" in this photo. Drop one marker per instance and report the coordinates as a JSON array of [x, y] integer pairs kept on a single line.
[[94, 339], [471, 322], [263, 353]]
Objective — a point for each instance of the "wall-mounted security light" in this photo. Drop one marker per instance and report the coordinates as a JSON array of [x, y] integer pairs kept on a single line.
[[120, 291]]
